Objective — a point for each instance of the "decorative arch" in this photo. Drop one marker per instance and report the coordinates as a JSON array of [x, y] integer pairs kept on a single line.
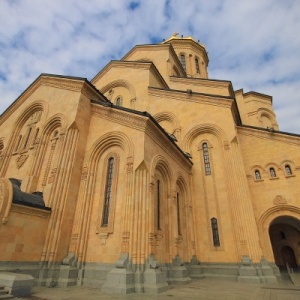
[[265, 221], [290, 164], [114, 138], [57, 120], [254, 170], [22, 137], [181, 182], [28, 111], [271, 164], [200, 129], [167, 116], [171, 120], [119, 83], [265, 113], [160, 164]]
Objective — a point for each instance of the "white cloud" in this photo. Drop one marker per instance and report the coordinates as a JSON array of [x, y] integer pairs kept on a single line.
[[253, 43]]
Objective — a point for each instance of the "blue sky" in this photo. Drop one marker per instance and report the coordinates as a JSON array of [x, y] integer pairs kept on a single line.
[[253, 43]]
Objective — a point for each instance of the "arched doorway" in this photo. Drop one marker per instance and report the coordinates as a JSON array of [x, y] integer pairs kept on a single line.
[[284, 234], [288, 256]]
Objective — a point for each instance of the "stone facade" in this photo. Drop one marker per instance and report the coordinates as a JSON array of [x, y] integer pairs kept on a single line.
[[151, 174]]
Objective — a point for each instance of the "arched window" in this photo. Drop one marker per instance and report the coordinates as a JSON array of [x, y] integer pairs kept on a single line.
[[158, 203], [178, 214], [197, 65], [119, 101], [257, 175], [272, 172], [182, 61], [107, 195], [288, 170], [206, 159], [215, 232]]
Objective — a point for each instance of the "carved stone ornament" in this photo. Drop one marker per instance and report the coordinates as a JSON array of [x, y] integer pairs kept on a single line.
[[84, 173], [21, 159], [226, 145], [35, 117], [103, 237], [279, 200]]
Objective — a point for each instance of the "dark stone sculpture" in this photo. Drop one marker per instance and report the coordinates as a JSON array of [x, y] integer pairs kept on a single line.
[[35, 199]]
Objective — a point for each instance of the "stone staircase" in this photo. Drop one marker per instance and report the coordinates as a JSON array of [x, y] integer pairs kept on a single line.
[[4, 293]]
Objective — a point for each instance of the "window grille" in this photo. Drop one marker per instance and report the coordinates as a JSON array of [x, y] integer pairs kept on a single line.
[[215, 232], [206, 159], [108, 191]]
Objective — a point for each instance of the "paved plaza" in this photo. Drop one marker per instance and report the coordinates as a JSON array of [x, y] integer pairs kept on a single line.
[[209, 289]]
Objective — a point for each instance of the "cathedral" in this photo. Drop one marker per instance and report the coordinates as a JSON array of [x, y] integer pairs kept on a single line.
[[150, 174]]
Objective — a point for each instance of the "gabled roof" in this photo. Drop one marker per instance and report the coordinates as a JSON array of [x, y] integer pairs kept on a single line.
[[131, 64], [53, 80]]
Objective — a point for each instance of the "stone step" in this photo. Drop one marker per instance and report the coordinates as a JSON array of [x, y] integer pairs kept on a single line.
[[6, 296], [3, 291]]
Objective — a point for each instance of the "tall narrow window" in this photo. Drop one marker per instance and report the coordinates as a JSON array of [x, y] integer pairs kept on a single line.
[[158, 204], [108, 191], [288, 170], [119, 101], [182, 61], [272, 172], [27, 138], [197, 65], [178, 215], [215, 232], [257, 175], [206, 159]]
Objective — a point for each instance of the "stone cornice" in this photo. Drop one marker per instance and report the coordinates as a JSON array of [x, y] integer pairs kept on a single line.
[[205, 82], [121, 117], [270, 135], [32, 211], [259, 97], [192, 97], [174, 152]]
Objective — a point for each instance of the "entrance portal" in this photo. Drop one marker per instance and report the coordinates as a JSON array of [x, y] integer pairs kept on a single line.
[[288, 256], [285, 237]]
